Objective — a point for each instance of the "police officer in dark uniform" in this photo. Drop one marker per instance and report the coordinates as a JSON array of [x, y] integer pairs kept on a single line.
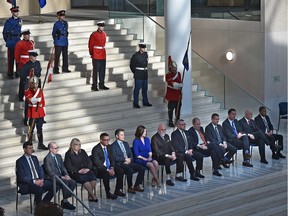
[[31, 68], [138, 66], [11, 34], [60, 37]]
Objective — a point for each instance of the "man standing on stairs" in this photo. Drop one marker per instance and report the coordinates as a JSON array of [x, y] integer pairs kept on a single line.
[[138, 66], [21, 50], [173, 91], [97, 52], [60, 37], [11, 34], [36, 110]]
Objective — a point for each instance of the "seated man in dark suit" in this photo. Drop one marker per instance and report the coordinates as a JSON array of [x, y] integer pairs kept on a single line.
[[202, 146], [163, 151], [265, 125], [124, 160], [30, 176], [214, 134], [53, 165], [104, 162], [256, 136], [182, 143], [234, 134]]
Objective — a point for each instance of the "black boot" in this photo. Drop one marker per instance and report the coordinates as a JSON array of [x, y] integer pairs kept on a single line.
[[170, 116], [40, 142]]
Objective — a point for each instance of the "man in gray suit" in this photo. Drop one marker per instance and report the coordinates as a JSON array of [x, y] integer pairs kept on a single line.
[[53, 165]]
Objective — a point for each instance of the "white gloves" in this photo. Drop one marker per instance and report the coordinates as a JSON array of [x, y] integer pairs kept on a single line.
[[35, 100], [50, 70], [177, 85]]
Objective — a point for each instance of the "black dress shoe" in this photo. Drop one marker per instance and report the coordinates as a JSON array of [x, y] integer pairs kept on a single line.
[[180, 178], [219, 167], [147, 104], [94, 88], [67, 205], [66, 71], [56, 72], [169, 182], [264, 161], [274, 156], [280, 155], [199, 175], [171, 124], [103, 87], [111, 196], [42, 146], [136, 106], [194, 178], [120, 193], [247, 164], [216, 172]]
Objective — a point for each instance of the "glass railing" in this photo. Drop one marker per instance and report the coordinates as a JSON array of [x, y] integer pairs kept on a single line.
[[207, 76], [216, 9]]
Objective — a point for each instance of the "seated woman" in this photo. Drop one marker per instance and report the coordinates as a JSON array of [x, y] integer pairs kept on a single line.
[[143, 153], [78, 165]]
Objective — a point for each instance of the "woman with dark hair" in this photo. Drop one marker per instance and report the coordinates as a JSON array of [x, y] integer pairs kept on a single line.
[[143, 153], [79, 165]]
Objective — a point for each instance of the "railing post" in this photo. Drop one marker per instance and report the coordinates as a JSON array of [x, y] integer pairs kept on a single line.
[[54, 189]]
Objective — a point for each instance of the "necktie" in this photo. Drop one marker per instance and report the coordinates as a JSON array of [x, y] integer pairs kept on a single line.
[[185, 139], [218, 135], [202, 136], [123, 149], [234, 128], [266, 124], [57, 165], [106, 158], [34, 173]]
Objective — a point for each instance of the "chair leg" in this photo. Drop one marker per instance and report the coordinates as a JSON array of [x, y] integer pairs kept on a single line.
[[82, 192], [278, 123], [30, 203], [17, 200], [100, 188], [162, 174]]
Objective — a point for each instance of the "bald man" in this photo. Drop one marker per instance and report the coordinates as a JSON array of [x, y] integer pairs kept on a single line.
[[256, 136]]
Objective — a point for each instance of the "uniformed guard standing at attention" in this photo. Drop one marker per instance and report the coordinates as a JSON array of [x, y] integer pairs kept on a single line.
[[36, 110], [173, 91], [21, 50], [97, 52], [31, 68], [138, 66], [60, 37], [11, 34]]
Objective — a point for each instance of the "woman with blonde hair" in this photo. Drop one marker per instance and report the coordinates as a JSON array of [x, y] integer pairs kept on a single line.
[[79, 166]]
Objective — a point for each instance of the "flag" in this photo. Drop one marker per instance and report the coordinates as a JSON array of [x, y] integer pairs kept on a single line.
[[13, 2], [185, 61], [42, 3]]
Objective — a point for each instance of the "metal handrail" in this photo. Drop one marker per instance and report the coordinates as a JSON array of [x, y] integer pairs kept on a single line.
[[201, 56], [57, 179]]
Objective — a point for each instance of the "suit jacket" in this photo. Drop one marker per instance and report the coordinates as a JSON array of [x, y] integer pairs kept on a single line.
[[260, 123], [99, 158], [118, 154], [248, 128], [75, 162], [228, 130], [161, 146], [194, 136], [51, 168], [211, 136], [23, 171], [178, 141]]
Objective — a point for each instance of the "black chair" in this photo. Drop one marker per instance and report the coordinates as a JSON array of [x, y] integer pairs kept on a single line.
[[163, 167], [17, 196], [283, 112]]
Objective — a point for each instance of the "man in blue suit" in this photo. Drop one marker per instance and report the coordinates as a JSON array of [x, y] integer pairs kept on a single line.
[[124, 159], [30, 176], [60, 37], [11, 34]]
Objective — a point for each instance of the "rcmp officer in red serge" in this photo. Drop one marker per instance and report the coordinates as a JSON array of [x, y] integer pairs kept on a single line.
[[35, 98], [174, 84], [11, 34], [21, 50], [138, 66], [97, 52], [25, 73], [60, 37]]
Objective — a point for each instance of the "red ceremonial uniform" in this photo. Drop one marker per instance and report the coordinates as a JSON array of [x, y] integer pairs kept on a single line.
[[96, 45], [32, 107], [21, 52], [172, 94]]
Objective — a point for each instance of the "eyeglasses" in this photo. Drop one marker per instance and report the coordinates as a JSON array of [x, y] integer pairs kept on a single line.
[[56, 148], [106, 139]]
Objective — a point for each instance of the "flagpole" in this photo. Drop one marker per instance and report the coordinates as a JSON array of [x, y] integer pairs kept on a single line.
[[40, 19]]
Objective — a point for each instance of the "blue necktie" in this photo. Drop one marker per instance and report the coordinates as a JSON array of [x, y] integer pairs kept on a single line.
[[106, 158], [57, 164], [234, 128]]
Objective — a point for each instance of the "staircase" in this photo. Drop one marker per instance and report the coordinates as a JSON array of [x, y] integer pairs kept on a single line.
[[73, 110]]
